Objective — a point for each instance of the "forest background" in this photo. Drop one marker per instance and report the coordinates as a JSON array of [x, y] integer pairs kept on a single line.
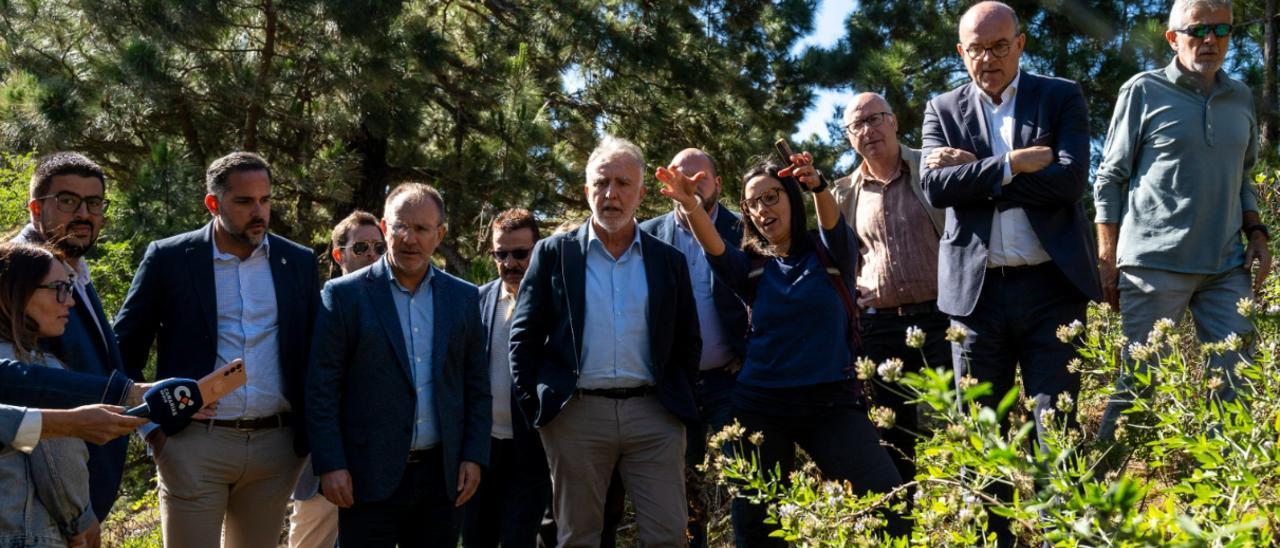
[[496, 102]]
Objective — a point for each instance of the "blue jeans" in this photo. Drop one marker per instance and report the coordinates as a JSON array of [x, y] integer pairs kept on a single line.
[[1148, 295]]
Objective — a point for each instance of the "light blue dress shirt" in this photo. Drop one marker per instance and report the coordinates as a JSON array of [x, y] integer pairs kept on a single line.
[[248, 327], [716, 351], [615, 338], [416, 310]]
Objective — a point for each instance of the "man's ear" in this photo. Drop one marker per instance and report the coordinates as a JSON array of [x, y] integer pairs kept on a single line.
[[211, 204], [34, 206], [337, 255], [444, 231]]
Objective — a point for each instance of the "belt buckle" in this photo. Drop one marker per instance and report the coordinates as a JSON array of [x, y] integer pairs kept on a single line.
[[239, 428]]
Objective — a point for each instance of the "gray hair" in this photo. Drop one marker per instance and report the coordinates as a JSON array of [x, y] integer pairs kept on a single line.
[[849, 108], [1180, 8], [215, 179], [612, 146]]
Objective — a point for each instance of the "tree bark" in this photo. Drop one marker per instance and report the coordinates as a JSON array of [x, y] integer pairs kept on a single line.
[[261, 92], [1270, 118]]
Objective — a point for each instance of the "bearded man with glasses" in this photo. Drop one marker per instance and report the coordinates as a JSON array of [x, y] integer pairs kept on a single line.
[[897, 269], [1007, 156], [1177, 220], [68, 208]]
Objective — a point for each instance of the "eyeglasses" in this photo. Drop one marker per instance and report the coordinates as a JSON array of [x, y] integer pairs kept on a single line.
[[69, 202], [869, 122], [1202, 31], [360, 248], [767, 198], [1001, 49], [517, 254], [62, 288]]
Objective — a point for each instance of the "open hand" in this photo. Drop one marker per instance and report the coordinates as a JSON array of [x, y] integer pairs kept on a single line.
[[802, 169], [681, 189], [98, 423]]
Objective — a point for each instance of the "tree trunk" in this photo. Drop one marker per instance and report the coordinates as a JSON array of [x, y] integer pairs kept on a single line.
[[374, 170], [262, 89]]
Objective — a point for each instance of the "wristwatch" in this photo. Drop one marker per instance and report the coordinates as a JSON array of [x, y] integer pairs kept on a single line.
[[1249, 230], [822, 183]]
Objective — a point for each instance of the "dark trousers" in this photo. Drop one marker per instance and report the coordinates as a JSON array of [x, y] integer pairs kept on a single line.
[[514, 493], [419, 512], [884, 336], [842, 442], [1014, 325], [713, 393]]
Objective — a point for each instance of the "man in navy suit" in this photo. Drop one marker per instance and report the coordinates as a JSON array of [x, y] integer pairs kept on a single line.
[[398, 391], [604, 351], [1008, 157], [68, 207], [510, 503], [722, 319], [224, 291]]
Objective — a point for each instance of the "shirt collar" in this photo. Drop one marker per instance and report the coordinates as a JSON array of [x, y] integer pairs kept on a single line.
[[218, 255], [503, 294], [1180, 76], [1005, 97], [592, 237], [81, 271], [426, 280], [866, 173]]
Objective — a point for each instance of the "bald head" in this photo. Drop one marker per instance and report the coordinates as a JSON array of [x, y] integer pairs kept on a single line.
[[690, 162], [986, 13], [872, 130], [991, 45]]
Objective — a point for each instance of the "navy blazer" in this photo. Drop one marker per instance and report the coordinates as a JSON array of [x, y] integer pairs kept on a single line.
[[546, 327], [42, 387], [731, 310], [1048, 111], [172, 302], [83, 347], [362, 404]]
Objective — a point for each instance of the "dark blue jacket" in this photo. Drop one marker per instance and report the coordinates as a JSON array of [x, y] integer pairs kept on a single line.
[[173, 303], [42, 387], [731, 310], [1048, 111], [546, 327], [84, 348], [360, 391]]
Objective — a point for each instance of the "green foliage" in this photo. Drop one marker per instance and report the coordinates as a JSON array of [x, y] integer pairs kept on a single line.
[[1200, 472], [15, 180]]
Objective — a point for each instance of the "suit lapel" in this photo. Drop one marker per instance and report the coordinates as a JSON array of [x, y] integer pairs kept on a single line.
[[573, 268], [667, 229], [378, 284], [654, 270], [441, 306], [200, 267], [1027, 98], [975, 121], [283, 284], [489, 313]]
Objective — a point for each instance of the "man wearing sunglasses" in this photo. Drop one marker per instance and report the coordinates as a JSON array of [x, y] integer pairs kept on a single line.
[[68, 206], [897, 271], [721, 319], [356, 243], [508, 507], [1177, 219]]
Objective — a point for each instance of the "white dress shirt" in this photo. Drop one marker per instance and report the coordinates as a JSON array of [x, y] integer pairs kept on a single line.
[[716, 351], [248, 327], [1013, 241]]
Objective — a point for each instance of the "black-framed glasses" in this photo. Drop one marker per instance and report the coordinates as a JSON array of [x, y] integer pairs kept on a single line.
[[1203, 30], [517, 254], [767, 198], [360, 248], [69, 202], [873, 121], [61, 289], [1001, 49]]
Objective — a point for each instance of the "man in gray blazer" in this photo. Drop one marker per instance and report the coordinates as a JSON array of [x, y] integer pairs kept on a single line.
[[400, 427]]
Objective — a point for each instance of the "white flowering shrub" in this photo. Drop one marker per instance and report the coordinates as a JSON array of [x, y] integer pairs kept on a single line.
[[1188, 469]]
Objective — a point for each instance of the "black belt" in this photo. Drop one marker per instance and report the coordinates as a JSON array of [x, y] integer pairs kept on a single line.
[[261, 423], [422, 455], [1012, 271], [928, 307], [617, 393]]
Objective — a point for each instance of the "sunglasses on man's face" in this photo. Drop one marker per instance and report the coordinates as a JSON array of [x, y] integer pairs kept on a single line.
[[517, 254], [360, 248], [1202, 31]]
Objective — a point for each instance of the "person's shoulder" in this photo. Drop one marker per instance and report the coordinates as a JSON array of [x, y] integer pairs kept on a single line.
[[652, 226], [290, 248], [489, 287], [950, 97], [180, 242], [656, 245], [449, 282]]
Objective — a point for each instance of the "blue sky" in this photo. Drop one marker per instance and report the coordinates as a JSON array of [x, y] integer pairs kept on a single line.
[[829, 28]]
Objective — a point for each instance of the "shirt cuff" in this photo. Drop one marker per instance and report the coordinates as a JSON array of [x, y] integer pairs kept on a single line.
[[1008, 170], [28, 434]]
